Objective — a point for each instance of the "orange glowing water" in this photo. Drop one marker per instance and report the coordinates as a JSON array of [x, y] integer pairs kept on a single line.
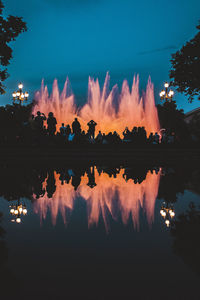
[[131, 109], [111, 196]]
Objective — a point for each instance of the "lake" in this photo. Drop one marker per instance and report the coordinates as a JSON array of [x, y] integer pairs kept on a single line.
[[100, 231]]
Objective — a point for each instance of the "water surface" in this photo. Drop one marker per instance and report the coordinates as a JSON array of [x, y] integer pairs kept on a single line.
[[100, 232]]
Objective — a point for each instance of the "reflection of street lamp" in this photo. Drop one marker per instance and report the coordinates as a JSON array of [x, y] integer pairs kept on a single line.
[[166, 94], [167, 212], [19, 95], [18, 210]]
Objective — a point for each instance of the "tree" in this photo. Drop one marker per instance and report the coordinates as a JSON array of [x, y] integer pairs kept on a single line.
[[185, 73], [185, 231], [10, 28], [172, 119]]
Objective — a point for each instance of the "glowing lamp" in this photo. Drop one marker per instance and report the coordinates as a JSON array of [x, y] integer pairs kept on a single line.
[[166, 85], [26, 95], [161, 212], [163, 92], [18, 94], [22, 96], [12, 211], [16, 212], [167, 223], [24, 211], [20, 210], [20, 86], [172, 214], [14, 95], [18, 220], [171, 93]]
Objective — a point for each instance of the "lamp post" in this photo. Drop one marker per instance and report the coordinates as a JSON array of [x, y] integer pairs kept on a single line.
[[17, 211], [19, 96], [166, 94], [167, 212]]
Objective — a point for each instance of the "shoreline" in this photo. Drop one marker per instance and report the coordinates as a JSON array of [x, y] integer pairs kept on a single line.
[[92, 155]]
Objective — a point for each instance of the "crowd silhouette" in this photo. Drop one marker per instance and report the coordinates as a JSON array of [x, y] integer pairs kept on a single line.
[[75, 134], [19, 127]]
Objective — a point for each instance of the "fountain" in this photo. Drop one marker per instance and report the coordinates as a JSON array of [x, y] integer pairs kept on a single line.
[[130, 110]]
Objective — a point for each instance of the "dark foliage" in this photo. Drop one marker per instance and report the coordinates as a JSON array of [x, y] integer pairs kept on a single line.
[[195, 126], [13, 122], [172, 119], [186, 244], [185, 73], [10, 28]]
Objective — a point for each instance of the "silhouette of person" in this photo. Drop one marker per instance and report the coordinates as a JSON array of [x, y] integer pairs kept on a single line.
[[67, 130], [134, 134], [156, 138], [91, 129], [99, 137], [151, 138], [32, 122], [51, 184], [51, 122], [39, 121], [143, 134], [62, 130], [91, 178], [76, 180], [127, 134], [76, 127]]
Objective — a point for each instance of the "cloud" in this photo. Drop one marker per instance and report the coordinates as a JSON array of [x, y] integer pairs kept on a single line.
[[171, 47]]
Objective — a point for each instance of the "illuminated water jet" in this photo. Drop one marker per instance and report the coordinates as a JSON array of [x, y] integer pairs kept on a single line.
[[131, 109], [111, 196]]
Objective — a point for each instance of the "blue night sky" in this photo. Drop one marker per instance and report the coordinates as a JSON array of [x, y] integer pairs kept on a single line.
[[78, 38]]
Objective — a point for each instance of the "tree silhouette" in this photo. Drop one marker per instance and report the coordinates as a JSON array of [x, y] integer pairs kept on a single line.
[[6, 275], [10, 28], [185, 73], [186, 243], [172, 119]]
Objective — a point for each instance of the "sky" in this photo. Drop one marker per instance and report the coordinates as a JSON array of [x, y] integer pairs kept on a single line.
[[78, 38]]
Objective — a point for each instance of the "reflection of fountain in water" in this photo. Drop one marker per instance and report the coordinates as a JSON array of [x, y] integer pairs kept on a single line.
[[63, 199], [132, 110], [111, 196]]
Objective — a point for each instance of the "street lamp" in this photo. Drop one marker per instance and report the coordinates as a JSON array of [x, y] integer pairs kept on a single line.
[[17, 211], [166, 94], [167, 212], [19, 95]]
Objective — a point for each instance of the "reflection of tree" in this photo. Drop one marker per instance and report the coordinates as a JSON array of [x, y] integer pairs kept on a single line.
[[15, 183], [3, 250], [5, 275], [172, 183], [193, 183], [186, 232]]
